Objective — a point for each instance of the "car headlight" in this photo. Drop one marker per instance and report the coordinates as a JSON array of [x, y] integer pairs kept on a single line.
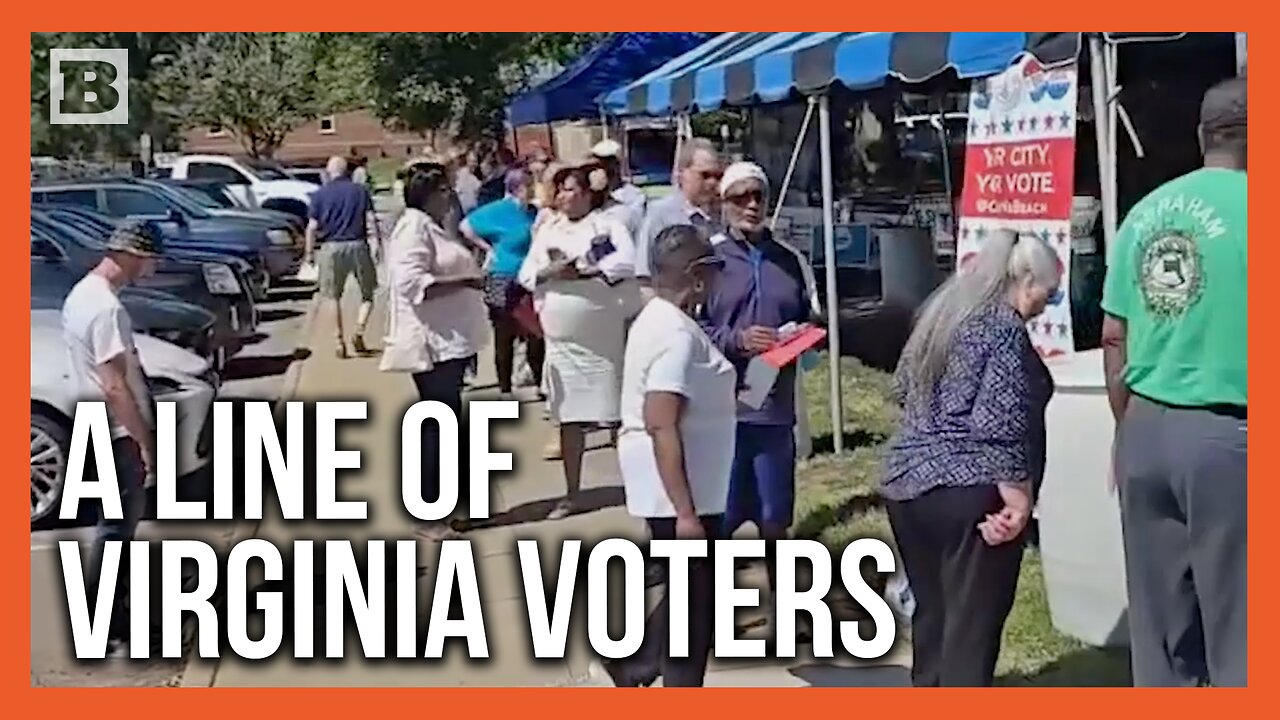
[[280, 238], [170, 335], [220, 279]]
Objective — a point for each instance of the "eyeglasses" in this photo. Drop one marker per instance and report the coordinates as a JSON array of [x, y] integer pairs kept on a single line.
[[711, 174]]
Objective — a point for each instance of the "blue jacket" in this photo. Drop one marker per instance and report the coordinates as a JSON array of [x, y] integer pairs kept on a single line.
[[758, 285]]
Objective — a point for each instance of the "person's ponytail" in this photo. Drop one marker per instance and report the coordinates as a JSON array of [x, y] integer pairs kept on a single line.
[[975, 285]]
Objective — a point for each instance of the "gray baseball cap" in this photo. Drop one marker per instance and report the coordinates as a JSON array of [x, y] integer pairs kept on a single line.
[[1226, 105]]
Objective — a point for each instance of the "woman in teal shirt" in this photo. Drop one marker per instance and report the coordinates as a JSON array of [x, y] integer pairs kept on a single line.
[[505, 227]]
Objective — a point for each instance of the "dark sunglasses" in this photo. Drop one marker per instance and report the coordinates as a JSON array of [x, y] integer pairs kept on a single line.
[[746, 197]]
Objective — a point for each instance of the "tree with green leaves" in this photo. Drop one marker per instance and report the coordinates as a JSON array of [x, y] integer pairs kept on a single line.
[[147, 52], [258, 86], [461, 82]]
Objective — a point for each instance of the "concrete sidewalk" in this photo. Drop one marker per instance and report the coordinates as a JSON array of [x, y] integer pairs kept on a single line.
[[519, 504]]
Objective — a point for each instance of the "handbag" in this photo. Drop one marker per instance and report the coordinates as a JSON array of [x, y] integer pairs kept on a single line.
[[526, 316], [308, 273], [404, 354]]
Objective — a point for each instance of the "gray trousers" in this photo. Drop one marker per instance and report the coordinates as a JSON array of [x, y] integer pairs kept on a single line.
[[1183, 476]]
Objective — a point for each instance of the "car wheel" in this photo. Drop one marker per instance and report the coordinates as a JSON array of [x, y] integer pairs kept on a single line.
[[50, 441]]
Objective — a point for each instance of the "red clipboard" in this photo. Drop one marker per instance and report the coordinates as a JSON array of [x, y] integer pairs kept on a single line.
[[788, 351]]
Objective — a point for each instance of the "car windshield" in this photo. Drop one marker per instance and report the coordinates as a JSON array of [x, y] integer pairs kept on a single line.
[[192, 209], [197, 197], [264, 170]]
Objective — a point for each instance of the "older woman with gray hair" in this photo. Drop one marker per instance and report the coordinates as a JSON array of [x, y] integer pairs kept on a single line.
[[961, 469], [676, 444]]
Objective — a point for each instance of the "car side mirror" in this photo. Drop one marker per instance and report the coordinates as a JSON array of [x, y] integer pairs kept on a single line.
[[177, 218]]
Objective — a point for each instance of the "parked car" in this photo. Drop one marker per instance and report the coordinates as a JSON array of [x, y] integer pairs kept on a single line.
[[248, 262], [210, 285], [316, 175], [226, 207], [245, 265], [153, 312], [193, 226], [263, 183], [173, 374], [217, 193], [223, 277]]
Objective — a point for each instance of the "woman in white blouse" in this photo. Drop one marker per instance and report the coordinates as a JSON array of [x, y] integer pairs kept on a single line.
[[677, 443], [438, 317], [576, 268]]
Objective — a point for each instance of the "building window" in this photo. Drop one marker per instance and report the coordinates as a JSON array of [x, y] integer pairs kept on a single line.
[[215, 131], [327, 125]]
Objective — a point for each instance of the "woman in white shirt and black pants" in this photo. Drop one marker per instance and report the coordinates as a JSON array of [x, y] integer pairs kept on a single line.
[[676, 444], [438, 318]]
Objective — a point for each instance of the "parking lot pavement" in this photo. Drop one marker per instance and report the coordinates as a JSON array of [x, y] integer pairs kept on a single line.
[[258, 372]]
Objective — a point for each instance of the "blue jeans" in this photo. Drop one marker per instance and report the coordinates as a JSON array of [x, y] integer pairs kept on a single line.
[[131, 475]]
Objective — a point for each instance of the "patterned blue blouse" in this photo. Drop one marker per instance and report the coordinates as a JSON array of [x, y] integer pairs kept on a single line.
[[975, 427]]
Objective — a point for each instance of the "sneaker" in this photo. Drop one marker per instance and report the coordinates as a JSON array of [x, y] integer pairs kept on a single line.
[[562, 510], [655, 574], [117, 649], [437, 532]]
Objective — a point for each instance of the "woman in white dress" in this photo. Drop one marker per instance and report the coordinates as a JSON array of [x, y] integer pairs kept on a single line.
[[577, 268], [438, 320]]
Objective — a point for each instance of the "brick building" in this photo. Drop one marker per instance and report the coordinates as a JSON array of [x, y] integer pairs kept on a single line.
[[338, 134], [322, 138]]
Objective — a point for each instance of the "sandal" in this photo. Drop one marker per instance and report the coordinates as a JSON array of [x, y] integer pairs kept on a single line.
[[562, 510], [437, 532]]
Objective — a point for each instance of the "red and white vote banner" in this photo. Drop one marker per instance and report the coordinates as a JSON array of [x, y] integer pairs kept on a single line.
[[1019, 172]]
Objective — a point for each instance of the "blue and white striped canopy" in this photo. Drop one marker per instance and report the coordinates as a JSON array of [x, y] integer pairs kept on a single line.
[[735, 68]]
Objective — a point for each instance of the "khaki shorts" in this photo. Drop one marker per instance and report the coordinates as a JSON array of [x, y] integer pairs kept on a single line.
[[338, 260]]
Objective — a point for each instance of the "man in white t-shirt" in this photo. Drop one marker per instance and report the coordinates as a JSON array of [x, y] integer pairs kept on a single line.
[[105, 367], [677, 442]]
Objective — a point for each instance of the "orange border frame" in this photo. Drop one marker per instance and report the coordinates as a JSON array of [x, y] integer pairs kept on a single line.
[[592, 14]]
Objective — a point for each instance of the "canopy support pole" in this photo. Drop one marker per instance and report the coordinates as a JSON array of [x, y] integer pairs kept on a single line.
[[1111, 60], [795, 160], [829, 251], [681, 120], [1099, 79]]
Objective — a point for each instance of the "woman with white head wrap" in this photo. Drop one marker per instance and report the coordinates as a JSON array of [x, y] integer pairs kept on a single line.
[[577, 270]]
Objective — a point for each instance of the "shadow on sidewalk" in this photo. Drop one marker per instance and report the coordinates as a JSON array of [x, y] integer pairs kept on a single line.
[[589, 500], [276, 314], [823, 675], [260, 366]]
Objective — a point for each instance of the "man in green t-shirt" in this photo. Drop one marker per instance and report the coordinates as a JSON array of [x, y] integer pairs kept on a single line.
[[1175, 341]]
